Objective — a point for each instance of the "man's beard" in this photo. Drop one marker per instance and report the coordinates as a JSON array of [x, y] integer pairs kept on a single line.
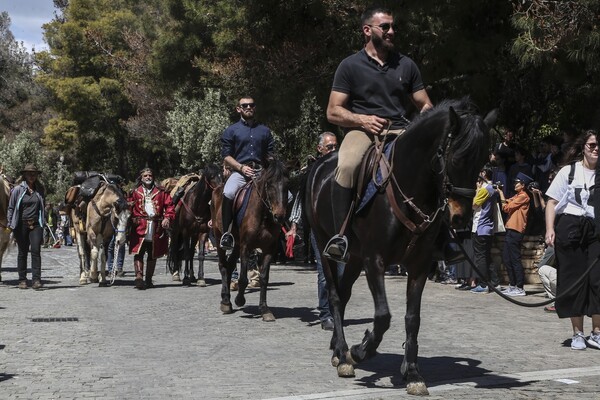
[[148, 183], [381, 44]]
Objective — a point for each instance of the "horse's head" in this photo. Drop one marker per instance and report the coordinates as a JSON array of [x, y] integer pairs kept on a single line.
[[273, 188], [121, 209], [466, 149], [213, 175]]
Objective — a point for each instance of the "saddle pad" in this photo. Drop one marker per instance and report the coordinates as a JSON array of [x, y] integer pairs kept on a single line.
[[241, 211], [371, 189]]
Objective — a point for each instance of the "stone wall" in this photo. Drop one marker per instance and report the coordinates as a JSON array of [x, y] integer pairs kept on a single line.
[[531, 251]]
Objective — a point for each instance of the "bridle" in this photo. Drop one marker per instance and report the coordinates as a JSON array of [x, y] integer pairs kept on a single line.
[[264, 198], [446, 189], [187, 207]]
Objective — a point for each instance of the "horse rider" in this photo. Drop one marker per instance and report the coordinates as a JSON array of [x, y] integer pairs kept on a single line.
[[245, 145], [152, 213], [368, 99]]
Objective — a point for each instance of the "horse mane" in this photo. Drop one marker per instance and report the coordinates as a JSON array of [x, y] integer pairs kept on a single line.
[[472, 128], [275, 171]]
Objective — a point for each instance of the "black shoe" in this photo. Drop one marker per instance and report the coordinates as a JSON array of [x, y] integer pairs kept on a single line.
[[227, 241], [327, 324], [139, 284]]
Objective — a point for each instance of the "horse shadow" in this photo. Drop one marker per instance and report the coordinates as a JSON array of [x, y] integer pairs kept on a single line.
[[48, 284], [437, 371], [304, 314]]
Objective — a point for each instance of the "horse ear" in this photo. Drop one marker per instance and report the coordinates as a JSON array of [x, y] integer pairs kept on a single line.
[[454, 120], [491, 118]]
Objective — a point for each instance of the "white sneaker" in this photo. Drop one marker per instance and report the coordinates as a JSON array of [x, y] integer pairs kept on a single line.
[[594, 340], [517, 291], [508, 290], [578, 341]]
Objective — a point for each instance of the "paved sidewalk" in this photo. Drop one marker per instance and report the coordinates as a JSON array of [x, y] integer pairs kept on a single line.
[[173, 342]]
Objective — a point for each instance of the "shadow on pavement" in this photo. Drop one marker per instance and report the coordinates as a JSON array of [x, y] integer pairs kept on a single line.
[[436, 371], [5, 377], [304, 314]]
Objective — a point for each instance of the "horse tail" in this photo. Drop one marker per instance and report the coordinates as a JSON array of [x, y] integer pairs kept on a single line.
[[173, 256]]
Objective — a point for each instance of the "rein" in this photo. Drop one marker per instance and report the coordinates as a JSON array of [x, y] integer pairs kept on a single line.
[[187, 206], [265, 200], [446, 190]]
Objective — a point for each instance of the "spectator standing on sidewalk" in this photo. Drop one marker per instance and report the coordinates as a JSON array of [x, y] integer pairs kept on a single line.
[[517, 208], [484, 206], [25, 216], [327, 143], [571, 230]]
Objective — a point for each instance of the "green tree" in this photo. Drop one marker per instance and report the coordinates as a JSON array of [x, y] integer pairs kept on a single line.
[[195, 127]]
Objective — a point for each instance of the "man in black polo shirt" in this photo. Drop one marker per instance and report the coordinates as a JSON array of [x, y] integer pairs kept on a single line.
[[369, 89]]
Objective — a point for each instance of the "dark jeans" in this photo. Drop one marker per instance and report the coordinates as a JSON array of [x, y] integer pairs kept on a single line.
[[482, 254], [111, 255], [29, 240], [511, 256], [322, 292]]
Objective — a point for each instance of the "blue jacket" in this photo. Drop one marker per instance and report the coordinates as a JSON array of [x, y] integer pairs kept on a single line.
[[15, 203]]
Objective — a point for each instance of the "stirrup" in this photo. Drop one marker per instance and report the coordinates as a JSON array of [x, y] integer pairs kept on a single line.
[[333, 244], [224, 237]]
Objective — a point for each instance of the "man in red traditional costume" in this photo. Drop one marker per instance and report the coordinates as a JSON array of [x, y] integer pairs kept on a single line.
[[152, 212]]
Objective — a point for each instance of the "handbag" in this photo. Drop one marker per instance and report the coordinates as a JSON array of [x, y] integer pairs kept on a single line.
[[498, 220]]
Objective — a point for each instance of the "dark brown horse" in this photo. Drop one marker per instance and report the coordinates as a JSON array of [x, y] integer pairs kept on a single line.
[[434, 167], [191, 225], [259, 229]]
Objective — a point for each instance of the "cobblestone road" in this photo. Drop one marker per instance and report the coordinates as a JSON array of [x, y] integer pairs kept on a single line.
[[173, 342]]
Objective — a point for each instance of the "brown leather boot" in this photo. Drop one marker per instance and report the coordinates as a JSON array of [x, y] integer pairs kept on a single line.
[[150, 266], [139, 275]]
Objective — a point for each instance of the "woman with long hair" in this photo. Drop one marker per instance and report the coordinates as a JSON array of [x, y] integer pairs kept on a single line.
[[570, 229], [26, 220]]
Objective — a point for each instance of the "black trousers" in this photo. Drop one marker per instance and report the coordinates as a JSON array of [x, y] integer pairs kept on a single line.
[[29, 240], [511, 256], [575, 252], [482, 254]]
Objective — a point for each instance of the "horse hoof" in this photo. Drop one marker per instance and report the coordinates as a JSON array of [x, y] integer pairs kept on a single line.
[[201, 283], [103, 284], [335, 361], [186, 282], [240, 301], [226, 309], [193, 279], [176, 277], [83, 281], [345, 371], [268, 317], [417, 389], [94, 280]]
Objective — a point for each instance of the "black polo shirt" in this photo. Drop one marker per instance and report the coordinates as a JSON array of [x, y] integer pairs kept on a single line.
[[375, 89]]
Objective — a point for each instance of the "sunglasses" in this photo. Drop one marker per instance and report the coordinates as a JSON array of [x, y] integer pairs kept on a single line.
[[385, 27], [592, 146], [331, 147], [247, 105]]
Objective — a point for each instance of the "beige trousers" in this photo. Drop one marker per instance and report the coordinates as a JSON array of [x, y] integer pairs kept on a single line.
[[353, 148]]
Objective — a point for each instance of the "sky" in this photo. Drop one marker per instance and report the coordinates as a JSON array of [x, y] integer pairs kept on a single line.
[[27, 18]]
